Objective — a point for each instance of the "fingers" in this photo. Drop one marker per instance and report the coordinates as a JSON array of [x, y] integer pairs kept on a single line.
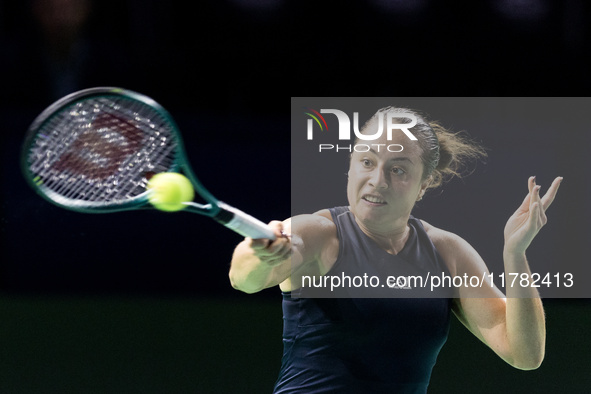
[[534, 193], [535, 201], [538, 205], [531, 183], [276, 251], [537, 217], [526, 204], [277, 228], [551, 193], [534, 196]]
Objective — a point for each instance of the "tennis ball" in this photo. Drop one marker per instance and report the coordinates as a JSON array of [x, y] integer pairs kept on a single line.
[[168, 191]]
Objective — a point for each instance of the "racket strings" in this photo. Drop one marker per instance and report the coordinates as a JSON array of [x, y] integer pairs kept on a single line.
[[100, 150]]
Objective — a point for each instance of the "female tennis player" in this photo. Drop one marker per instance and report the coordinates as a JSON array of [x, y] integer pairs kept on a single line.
[[385, 344]]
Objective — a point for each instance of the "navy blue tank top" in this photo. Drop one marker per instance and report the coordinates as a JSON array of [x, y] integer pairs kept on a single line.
[[365, 345]]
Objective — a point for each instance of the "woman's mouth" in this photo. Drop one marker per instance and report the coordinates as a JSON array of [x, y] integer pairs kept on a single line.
[[374, 200]]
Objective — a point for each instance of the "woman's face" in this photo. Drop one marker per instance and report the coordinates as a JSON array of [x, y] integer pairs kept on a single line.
[[383, 186]]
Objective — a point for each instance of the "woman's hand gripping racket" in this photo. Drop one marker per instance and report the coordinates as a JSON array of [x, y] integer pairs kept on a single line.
[[95, 151]]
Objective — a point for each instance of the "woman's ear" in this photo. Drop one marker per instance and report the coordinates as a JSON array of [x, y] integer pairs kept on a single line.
[[424, 187]]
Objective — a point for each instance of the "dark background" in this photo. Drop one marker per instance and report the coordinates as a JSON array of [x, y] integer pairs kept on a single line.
[[140, 301]]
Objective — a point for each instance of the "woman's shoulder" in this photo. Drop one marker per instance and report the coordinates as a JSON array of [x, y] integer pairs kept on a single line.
[[325, 213], [319, 221], [459, 255], [449, 245], [438, 235], [442, 238], [331, 213], [321, 217]]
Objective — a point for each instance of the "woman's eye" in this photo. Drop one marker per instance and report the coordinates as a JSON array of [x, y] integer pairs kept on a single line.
[[366, 162]]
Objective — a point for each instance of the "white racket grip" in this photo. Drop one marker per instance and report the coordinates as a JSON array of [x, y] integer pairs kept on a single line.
[[244, 224]]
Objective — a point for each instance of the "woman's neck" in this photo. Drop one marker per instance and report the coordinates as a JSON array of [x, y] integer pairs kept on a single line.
[[391, 239]]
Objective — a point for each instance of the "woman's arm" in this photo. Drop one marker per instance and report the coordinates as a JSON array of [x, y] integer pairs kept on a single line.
[[514, 327], [259, 264], [526, 328]]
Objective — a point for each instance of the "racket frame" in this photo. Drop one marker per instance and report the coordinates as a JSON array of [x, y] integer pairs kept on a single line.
[[225, 214]]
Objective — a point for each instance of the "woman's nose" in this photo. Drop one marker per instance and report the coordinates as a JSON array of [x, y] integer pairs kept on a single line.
[[378, 179]]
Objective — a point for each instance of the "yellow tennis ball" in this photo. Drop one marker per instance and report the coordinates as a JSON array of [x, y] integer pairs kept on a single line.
[[169, 190]]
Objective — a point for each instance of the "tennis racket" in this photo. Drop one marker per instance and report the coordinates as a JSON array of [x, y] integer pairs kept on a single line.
[[95, 150]]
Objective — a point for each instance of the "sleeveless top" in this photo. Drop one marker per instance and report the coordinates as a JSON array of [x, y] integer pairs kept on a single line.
[[335, 343]]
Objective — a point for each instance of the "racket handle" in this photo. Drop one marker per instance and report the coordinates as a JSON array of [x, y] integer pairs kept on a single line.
[[243, 223]]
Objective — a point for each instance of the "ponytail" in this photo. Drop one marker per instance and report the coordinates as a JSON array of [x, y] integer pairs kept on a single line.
[[456, 151]]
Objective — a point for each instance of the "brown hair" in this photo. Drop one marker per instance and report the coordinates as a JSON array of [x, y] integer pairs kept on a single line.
[[444, 153]]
